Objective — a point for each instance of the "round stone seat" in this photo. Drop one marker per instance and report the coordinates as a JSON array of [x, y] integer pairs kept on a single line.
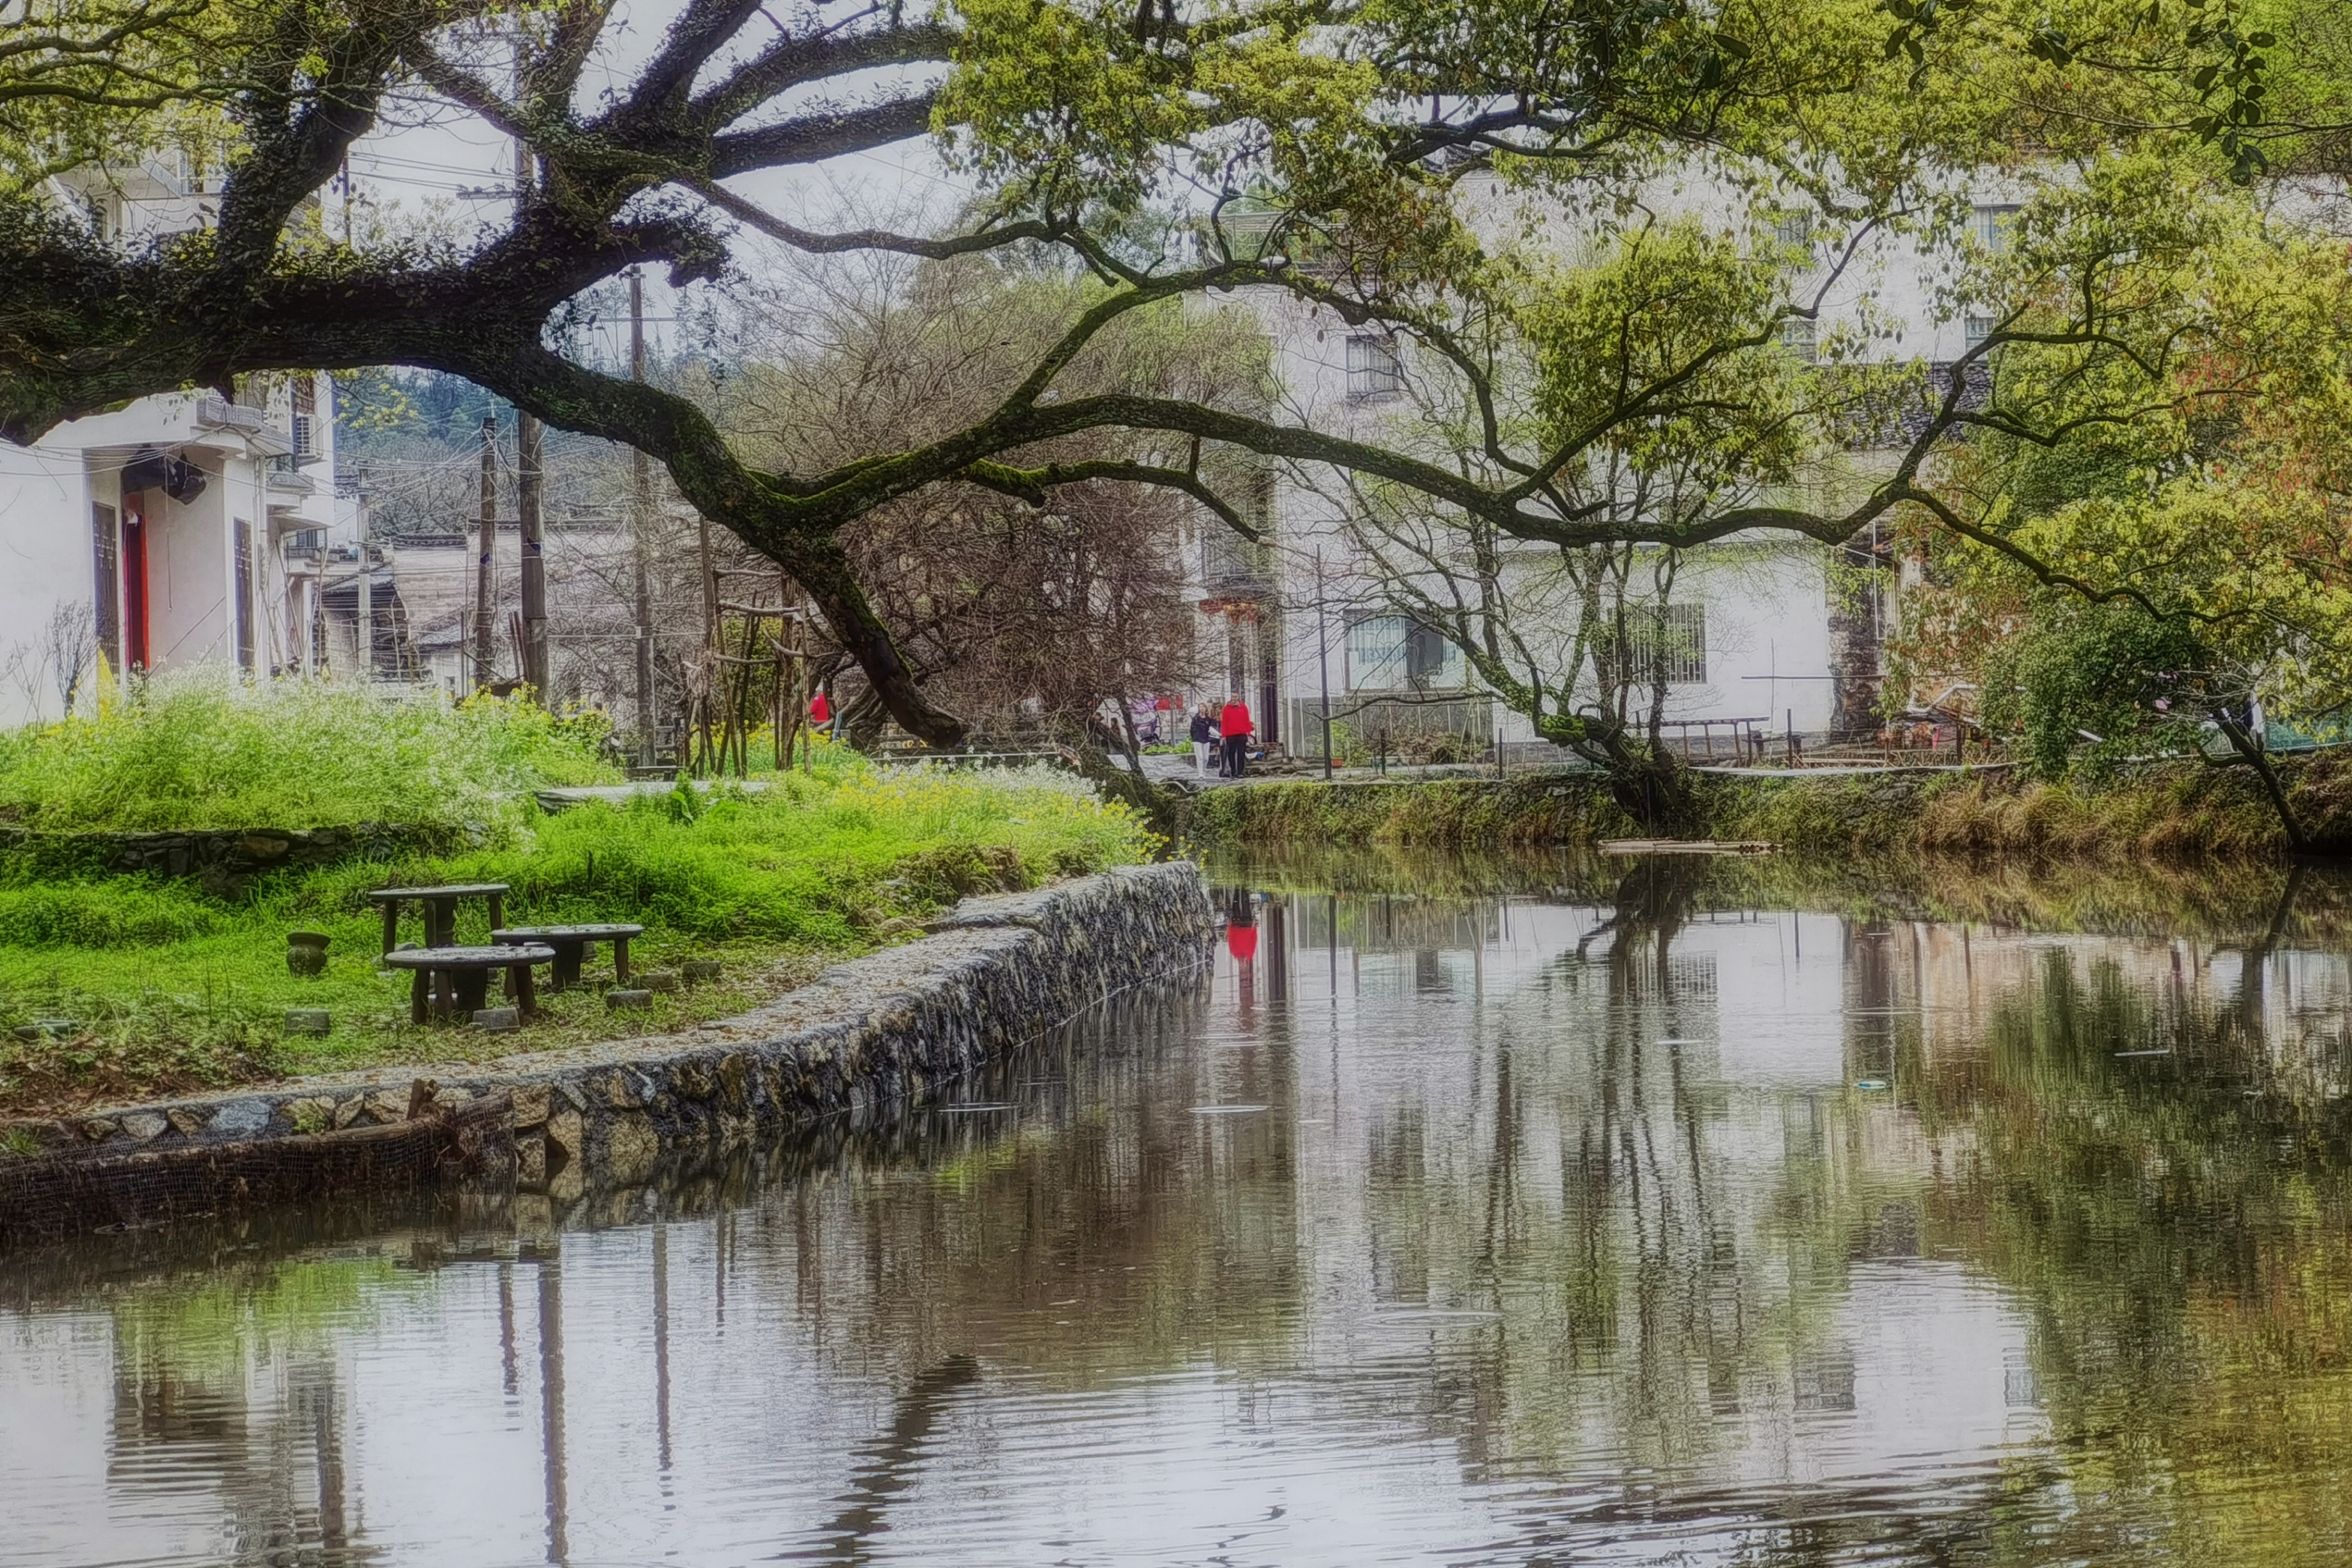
[[455, 982]]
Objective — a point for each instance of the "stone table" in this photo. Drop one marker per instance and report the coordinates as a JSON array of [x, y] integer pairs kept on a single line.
[[440, 907]]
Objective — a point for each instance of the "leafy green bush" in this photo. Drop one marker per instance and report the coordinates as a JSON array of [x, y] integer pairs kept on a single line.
[[2091, 685], [203, 749]]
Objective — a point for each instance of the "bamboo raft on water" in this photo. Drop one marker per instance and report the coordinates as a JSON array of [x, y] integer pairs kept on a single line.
[[1686, 846]]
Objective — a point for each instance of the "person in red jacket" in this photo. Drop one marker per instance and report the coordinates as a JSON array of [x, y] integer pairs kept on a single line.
[[1234, 725], [820, 713]]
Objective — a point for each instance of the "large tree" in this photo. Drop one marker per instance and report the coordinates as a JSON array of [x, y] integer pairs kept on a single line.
[[1355, 119]]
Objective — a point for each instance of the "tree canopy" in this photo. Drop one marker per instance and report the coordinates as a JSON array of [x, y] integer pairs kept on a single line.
[[1115, 140]]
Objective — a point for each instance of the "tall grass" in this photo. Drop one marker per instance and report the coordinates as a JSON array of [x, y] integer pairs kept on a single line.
[[203, 749]]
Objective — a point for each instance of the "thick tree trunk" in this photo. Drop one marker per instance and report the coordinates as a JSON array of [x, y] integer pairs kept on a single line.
[[824, 573], [1655, 790], [1648, 782], [2300, 840], [1127, 785]]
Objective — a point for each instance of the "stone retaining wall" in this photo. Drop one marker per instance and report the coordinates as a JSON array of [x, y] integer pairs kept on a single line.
[[226, 859], [999, 970]]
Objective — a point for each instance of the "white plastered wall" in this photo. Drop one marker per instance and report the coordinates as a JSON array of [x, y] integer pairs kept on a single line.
[[45, 559]]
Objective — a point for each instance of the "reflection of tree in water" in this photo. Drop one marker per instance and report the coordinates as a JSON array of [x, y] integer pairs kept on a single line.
[[2178, 1225], [1656, 1260], [1675, 1293], [186, 1364], [1664, 1251], [886, 1466], [1164, 1232]]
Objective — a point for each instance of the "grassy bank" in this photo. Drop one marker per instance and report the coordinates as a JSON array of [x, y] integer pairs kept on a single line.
[[168, 987], [2180, 812]]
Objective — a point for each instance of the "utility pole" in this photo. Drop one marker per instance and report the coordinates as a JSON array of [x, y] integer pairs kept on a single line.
[[528, 497], [1323, 665], [483, 604], [530, 489], [714, 671], [367, 588], [641, 519]]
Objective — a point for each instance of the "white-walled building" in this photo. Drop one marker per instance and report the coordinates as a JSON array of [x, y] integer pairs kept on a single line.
[[180, 530], [1769, 636], [177, 531]]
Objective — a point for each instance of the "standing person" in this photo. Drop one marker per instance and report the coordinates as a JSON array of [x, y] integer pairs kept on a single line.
[[821, 714], [1235, 726], [1205, 738]]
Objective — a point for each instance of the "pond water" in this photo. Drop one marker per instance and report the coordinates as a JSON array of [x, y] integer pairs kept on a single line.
[[1525, 1213]]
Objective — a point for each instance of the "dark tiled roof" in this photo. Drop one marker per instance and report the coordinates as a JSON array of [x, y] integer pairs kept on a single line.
[[1902, 416]]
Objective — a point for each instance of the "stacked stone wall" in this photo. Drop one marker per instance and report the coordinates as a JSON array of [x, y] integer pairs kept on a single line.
[[225, 861]]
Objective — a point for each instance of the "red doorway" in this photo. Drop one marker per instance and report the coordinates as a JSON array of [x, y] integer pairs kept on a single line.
[[134, 581]]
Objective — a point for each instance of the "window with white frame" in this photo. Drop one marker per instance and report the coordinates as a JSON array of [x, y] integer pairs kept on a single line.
[[1990, 224], [1800, 338], [305, 393], [1397, 653], [1976, 330], [1373, 368]]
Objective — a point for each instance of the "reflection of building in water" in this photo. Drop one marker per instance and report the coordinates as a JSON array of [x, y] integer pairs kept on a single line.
[[1945, 980], [1637, 1145]]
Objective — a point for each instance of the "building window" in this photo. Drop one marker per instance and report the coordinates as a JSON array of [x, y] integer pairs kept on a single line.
[[306, 417], [1664, 643], [1397, 653], [1990, 224], [1373, 368], [1800, 338], [1230, 562], [1794, 231], [1977, 329]]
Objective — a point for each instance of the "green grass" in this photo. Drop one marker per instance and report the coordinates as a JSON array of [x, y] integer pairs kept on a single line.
[[2182, 812], [205, 749], [176, 989]]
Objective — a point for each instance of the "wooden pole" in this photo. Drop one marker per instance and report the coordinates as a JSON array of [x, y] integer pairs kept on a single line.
[[779, 730], [366, 587], [710, 638], [483, 646]]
